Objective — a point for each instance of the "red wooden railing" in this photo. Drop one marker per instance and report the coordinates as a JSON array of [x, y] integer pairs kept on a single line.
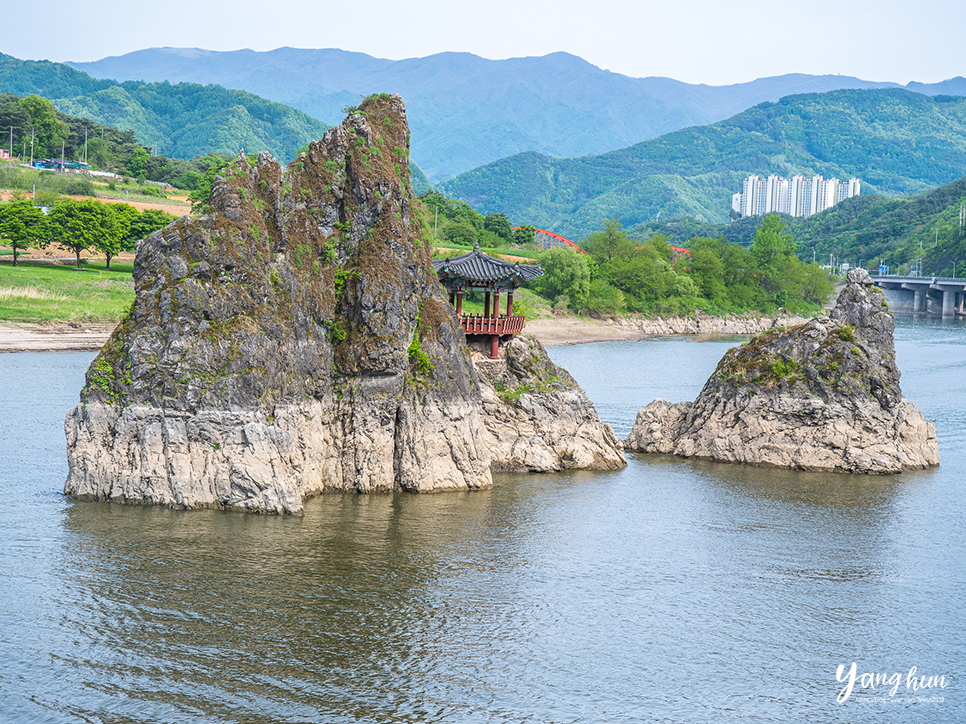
[[478, 324]]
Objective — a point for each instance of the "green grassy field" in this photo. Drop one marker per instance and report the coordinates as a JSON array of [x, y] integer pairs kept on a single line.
[[39, 293]]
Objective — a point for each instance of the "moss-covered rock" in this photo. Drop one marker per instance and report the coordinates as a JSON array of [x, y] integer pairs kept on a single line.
[[817, 396], [267, 355]]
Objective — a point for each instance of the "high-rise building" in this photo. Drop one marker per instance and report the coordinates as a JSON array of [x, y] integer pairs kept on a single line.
[[798, 196]]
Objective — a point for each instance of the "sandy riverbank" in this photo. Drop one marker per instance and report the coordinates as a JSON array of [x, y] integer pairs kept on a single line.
[[48, 337], [53, 337], [574, 330]]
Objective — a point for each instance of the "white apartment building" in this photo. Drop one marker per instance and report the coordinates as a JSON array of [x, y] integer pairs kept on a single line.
[[798, 196]]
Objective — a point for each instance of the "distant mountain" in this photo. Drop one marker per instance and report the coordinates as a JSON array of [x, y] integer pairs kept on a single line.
[[184, 120], [894, 140], [466, 111]]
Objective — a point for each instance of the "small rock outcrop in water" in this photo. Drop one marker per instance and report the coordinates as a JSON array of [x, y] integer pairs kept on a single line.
[[538, 417], [818, 396], [293, 340]]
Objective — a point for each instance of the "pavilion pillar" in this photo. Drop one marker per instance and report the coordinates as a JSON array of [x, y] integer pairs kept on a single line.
[[496, 305], [486, 304], [509, 303], [459, 302], [494, 346]]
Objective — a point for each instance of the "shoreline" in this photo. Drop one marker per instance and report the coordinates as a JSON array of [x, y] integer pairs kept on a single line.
[[53, 336], [550, 332]]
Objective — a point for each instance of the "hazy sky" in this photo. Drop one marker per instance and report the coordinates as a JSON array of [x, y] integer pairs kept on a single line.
[[698, 41]]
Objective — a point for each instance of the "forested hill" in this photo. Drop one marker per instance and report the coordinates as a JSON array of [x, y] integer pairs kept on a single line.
[[895, 141], [862, 230], [180, 121], [466, 111]]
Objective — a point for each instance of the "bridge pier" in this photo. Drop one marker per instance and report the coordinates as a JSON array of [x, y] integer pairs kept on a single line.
[[949, 302], [919, 305]]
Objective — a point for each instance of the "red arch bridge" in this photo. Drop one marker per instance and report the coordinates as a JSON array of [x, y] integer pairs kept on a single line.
[[549, 240]]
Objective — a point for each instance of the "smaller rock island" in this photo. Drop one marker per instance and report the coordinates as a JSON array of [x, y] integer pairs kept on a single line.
[[820, 396]]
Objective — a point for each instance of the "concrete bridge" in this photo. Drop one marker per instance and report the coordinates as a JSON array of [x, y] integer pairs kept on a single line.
[[945, 295]]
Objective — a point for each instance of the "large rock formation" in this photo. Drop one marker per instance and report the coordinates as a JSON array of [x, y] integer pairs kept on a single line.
[[293, 340], [818, 396], [538, 417]]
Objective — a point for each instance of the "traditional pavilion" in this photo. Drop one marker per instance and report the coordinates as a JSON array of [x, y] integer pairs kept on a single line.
[[477, 271]]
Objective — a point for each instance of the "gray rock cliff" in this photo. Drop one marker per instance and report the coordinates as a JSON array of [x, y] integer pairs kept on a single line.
[[823, 395], [538, 418], [293, 340]]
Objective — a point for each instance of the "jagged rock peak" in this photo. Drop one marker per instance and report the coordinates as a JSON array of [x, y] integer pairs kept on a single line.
[[293, 340], [823, 395]]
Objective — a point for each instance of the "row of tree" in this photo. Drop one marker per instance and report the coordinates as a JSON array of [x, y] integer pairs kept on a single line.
[[619, 274], [79, 225]]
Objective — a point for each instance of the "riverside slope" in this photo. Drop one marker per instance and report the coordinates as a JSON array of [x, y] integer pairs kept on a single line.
[[819, 396], [296, 340]]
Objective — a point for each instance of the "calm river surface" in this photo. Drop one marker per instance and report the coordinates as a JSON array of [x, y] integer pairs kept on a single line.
[[672, 591]]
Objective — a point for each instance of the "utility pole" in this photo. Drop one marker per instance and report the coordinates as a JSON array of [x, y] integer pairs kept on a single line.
[[85, 144], [32, 128], [11, 145]]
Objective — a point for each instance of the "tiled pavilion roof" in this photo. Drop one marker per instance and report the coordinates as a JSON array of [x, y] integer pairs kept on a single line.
[[477, 269]]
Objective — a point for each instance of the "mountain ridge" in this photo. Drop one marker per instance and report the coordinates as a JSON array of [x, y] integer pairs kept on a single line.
[[467, 111], [896, 141]]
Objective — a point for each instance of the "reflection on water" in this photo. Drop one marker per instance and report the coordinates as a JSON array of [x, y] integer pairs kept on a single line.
[[673, 590]]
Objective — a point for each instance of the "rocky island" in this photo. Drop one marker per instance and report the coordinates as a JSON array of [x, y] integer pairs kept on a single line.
[[294, 340], [820, 396]]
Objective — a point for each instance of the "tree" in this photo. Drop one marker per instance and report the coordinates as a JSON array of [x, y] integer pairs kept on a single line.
[[459, 232], [138, 164], [565, 272], [772, 244], [498, 224], [124, 218], [48, 131], [774, 250], [705, 266], [524, 234], [23, 225], [145, 224], [81, 225], [609, 243]]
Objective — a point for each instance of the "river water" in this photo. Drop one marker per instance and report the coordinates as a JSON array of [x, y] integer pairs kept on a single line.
[[672, 591]]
